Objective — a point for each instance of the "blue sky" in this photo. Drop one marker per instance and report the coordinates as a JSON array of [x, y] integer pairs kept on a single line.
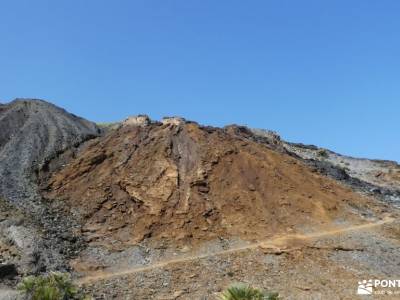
[[319, 72]]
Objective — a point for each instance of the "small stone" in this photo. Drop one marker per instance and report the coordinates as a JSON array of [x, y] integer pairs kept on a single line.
[[108, 206], [178, 293], [251, 187], [185, 249]]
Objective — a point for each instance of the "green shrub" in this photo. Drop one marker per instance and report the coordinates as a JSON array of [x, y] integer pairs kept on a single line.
[[54, 286], [246, 292], [323, 153]]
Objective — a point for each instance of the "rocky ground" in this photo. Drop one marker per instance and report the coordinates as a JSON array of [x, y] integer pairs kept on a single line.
[[325, 268], [176, 210]]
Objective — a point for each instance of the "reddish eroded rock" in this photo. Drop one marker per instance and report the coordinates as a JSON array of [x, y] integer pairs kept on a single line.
[[182, 183]]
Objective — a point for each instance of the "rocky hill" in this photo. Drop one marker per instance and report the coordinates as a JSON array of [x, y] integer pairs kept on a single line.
[[177, 210], [180, 183]]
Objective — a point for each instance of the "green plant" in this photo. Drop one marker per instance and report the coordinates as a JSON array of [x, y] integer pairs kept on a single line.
[[54, 286], [246, 292]]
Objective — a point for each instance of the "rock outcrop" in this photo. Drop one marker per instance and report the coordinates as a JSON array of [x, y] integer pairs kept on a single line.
[[178, 182], [139, 120]]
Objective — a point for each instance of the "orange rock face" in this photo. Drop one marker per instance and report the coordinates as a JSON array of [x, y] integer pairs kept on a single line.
[[182, 183]]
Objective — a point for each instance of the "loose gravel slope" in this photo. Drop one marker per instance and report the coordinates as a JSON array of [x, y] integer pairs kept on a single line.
[[32, 132]]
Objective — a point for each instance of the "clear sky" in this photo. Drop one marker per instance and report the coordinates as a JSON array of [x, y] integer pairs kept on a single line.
[[319, 72]]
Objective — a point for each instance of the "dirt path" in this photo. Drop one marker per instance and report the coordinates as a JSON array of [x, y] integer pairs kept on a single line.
[[278, 243]]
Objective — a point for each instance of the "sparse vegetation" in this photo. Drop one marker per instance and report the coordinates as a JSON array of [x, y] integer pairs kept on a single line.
[[323, 153], [107, 125], [54, 286], [246, 292]]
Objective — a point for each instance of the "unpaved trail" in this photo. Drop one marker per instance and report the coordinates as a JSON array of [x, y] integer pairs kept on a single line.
[[277, 243]]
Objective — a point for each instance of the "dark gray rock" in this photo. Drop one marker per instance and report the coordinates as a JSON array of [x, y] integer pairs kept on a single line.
[[32, 133], [8, 271]]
